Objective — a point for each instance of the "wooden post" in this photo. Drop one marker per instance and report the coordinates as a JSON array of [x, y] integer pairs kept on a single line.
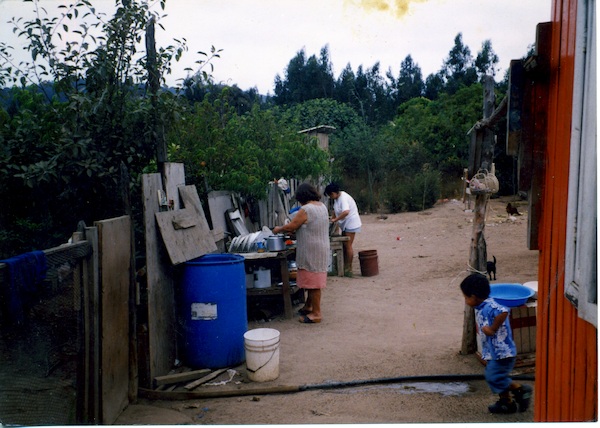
[[466, 191], [154, 85], [133, 357], [478, 251]]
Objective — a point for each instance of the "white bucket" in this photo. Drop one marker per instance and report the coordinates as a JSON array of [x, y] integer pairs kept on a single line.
[[262, 354], [262, 278]]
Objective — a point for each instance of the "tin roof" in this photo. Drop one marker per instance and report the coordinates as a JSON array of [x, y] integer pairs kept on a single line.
[[324, 129]]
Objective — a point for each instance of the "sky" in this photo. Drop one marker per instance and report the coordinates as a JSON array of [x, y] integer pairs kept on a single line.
[[258, 38]]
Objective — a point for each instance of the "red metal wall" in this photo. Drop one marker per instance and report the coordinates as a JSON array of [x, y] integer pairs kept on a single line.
[[566, 358]]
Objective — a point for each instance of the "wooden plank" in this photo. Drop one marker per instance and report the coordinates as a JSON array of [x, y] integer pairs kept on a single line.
[[92, 322], [79, 286], [205, 379], [515, 313], [540, 136], [190, 199], [160, 288], [270, 291], [179, 377], [515, 107], [124, 182], [114, 235], [182, 234], [287, 290], [174, 178]]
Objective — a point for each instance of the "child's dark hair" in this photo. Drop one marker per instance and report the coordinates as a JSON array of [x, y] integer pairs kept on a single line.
[[476, 285]]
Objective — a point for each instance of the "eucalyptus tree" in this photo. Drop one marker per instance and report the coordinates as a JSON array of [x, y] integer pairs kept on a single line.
[[409, 83], [486, 62], [458, 68], [434, 86], [345, 86], [305, 79]]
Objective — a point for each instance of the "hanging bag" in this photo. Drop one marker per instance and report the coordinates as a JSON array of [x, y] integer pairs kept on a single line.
[[483, 182]]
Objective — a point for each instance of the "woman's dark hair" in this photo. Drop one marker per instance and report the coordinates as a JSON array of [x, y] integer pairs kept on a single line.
[[306, 193], [476, 285], [332, 188]]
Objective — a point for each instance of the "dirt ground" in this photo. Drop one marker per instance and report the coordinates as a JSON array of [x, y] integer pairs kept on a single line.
[[406, 321]]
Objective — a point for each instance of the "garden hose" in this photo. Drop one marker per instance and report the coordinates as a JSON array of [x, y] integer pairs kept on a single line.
[[287, 389]]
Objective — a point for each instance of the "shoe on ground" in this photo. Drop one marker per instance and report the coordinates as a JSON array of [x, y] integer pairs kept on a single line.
[[503, 406], [523, 397]]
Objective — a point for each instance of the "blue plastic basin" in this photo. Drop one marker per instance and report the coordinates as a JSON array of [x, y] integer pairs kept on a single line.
[[510, 295]]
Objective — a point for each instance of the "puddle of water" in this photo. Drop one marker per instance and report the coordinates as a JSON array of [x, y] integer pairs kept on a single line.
[[443, 388]]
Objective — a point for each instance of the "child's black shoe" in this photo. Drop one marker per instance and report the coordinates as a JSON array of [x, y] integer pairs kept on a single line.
[[503, 406], [523, 397]]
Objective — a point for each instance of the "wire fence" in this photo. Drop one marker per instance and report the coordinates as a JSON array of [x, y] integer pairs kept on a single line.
[[40, 352]]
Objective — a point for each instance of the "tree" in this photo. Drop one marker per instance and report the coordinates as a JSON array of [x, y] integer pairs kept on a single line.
[[458, 69], [62, 153], [224, 150], [242, 101], [486, 61], [440, 126], [370, 96], [345, 86], [321, 112], [434, 85], [305, 79], [409, 83]]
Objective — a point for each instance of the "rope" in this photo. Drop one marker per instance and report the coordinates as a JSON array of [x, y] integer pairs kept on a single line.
[[472, 269], [469, 269], [456, 276]]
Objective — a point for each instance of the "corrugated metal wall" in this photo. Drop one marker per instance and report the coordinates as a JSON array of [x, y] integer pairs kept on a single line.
[[566, 359]]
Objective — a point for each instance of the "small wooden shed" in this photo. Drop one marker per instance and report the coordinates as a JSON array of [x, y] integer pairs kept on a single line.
[[321, 132]]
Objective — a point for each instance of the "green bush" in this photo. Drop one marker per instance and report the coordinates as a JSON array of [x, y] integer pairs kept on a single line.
[[414, 193]]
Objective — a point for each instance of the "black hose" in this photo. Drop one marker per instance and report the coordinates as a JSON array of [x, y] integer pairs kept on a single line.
[[285, 389], [422, 378], [386, 380]]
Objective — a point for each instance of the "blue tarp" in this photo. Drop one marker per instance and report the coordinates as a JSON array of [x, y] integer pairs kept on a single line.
[[25, 275]]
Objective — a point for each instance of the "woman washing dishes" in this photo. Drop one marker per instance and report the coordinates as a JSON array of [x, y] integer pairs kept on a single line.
[[346, 213], [311, 224]]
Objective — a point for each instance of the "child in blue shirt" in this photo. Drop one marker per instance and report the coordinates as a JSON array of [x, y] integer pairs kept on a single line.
[[497, 345]]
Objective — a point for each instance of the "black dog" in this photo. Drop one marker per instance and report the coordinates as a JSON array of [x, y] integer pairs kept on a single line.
[[512, 210], [491, 268]]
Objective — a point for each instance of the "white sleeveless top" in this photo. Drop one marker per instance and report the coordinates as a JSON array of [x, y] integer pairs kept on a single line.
[[312, 246]]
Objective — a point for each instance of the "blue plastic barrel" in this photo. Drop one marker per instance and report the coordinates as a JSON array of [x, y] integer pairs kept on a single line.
[[213, 311]]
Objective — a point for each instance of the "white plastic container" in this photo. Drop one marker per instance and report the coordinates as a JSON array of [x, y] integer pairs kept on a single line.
[[262, 354], [262, 278], [250, 280], [534, 286]]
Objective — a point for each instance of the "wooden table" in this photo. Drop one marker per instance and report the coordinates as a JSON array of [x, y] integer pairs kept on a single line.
[[279, 258], [336, 243]]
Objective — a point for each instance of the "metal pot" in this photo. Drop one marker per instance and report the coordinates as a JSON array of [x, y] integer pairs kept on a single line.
[[275, 243]]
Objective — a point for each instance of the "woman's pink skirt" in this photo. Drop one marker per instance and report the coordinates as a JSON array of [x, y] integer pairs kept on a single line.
[[311, 280]]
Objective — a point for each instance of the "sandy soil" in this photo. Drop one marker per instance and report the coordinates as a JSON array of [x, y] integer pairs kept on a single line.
[[405, 321]]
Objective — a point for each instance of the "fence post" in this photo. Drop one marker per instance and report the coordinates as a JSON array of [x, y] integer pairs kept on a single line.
[[485, 137]]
